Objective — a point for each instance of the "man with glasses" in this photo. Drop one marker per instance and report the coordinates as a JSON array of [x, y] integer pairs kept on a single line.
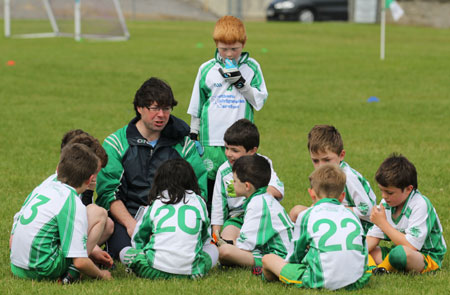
[[136, 151]]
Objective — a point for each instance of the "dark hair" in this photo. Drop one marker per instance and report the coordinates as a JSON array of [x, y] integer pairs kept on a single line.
[[76, 165], [397, 171], [154, 90], [95, 146], [176, 176], [254, 169], [243, 133], [325, 137], [69, 135]]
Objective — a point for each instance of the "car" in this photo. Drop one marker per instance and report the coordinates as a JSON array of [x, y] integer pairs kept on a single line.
[[307, 10]]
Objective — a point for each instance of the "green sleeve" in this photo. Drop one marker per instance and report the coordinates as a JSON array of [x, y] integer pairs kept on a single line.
[[108, 179], [189, 152]]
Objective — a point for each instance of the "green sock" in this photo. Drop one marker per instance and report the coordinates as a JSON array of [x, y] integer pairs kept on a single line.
[[397, 258]]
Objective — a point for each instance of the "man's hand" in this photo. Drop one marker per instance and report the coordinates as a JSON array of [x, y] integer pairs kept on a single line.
[[130, 227], [198, 146], [378, 215]]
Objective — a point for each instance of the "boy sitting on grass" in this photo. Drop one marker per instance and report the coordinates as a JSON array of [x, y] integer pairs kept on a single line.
[[408, 219], [50, 232], [266, 226], [328, 249], [325, 145], [241, 139]]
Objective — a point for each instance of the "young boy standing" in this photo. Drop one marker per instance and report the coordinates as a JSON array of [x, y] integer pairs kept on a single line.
[[266, 226], [227, 88], [325, 145], [328, 249], [50, 231], [408, 219], [241, 139]]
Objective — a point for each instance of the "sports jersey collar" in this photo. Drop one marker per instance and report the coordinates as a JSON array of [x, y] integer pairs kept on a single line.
[[260, 191], [405, 206], [328, 200]]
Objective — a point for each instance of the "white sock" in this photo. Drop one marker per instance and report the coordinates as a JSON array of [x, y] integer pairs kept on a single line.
[[213, 252]]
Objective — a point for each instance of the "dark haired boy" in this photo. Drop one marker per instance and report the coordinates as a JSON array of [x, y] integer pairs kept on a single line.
[[266, 227], [241, 139], [50, 232], [408, 219]]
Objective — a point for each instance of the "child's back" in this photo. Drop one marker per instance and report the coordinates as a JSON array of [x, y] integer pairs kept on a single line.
[[170, 235], [337, 254], [266, 228]]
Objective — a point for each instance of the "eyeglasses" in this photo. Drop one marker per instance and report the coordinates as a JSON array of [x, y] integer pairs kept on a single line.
[[157, 109]]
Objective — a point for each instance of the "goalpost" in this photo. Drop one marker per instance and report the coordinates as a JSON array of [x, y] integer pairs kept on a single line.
[[89, 19]]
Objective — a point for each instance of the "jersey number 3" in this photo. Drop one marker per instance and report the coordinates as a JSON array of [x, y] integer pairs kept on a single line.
[[34, 209]]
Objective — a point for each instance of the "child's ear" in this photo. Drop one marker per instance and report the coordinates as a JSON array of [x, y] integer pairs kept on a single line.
[[90, 179], [248, 186], [252, 151], [313, 195], [341, 197], [408, 189], [342, 156]]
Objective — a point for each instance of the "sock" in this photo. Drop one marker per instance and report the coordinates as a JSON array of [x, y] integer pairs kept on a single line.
[[386, 264], [397, 258], [123, 257], [371, 262]]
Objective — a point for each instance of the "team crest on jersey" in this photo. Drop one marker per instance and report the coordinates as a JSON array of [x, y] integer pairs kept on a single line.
[[242, 237], [363, 208], [415, 231], [85, 238]]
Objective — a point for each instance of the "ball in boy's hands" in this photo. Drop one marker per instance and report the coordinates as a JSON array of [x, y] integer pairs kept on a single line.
[[230, 189], [230, 73]]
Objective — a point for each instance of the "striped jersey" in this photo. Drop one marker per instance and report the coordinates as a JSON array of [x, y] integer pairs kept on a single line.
[[358, 194], [223, 206], [328, 238], [219, 104], [420, 224], [267, 228], [51, 220], [173, 235]]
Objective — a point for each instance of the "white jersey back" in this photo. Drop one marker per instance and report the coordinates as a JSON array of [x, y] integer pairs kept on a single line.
[[52, 219], [337, 255], [173, 235]]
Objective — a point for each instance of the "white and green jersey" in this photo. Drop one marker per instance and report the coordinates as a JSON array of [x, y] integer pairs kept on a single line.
[[173, 235], [267, 228], [52, 219], [337, 253], [219, 104], [225, 207], [420, 224], [358, 193]]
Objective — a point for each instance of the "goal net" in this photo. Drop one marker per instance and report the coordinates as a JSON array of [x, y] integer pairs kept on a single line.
[[90, 19]]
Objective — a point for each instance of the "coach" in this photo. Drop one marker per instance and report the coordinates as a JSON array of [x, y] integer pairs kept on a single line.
[[135, 152]]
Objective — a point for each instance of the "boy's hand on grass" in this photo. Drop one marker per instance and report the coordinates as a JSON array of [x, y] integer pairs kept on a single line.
[[105, 275], [101, 257], [378, 215]]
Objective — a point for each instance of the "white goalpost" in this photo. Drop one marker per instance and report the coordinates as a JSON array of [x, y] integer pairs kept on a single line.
[[80, 19]]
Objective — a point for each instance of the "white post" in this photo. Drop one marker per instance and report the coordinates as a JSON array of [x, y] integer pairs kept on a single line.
[[77, 15], [121, 18], [383, 29], [7, 19], [51, 17]]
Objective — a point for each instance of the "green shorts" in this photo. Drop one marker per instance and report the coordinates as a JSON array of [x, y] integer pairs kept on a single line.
[[213, 158], [292, 273], [51, 272], [140, 266], [236, 221]]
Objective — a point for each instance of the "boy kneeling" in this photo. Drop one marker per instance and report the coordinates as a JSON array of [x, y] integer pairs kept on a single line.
[[328, 249]]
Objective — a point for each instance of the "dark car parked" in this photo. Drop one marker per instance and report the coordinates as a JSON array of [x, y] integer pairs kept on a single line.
[[307, 10]]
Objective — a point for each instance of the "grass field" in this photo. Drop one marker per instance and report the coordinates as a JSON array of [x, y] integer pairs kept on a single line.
[[316, 74]]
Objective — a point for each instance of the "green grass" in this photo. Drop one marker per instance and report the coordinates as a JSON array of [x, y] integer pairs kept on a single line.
[[316, 74]]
